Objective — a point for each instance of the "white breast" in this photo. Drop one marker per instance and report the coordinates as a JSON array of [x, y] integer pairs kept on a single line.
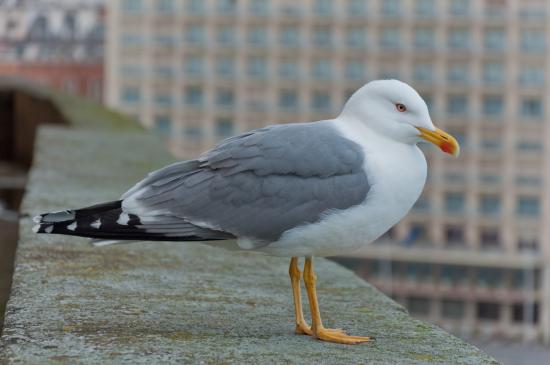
[[396, 174]]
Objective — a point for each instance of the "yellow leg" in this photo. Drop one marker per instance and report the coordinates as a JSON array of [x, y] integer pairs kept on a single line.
[[320, 332], [302, 327]]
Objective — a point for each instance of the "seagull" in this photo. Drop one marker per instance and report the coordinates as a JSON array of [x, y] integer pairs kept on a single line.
[[296, 190]]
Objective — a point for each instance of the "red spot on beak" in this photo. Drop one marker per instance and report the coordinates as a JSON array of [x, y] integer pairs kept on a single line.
[[446, 147]]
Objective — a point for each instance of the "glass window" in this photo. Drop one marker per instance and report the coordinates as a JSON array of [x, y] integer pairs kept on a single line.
[[132, 40], [257, 35], [165, 6], [459, 38], [355, 70], [257, 66], [131, 95], [259, 7], [453, 275], [419, 272], [533, 41], [225, 66], [457, 104], [489, 204], [224, 97], [193, 65], [288, 99], [418, 305], [531, 76], [489, 239], [193, 132], [488, 311], [491, 144], [163, 125], [355, 36], [390, 7], [321, 100], [322, 36], [454, 202], [528, 243], [525, 313], [531, 108], [194, 33], [195, 6], [528, 206], [227, 6], [489, 277], [495, 39], [390, 37], [493, 73], [323, 7], [459, 7], [493, 105], [453, 309], [357, 7], [322, 69], [166, 72], [163, 99], [288, 69], [290, 35], [454, 235], [423, 72], [424, 8], [193, 95], [458, 73], [424, 38], [530, 146], [226, 34], [132, 6], [224, 128], [418, 233]]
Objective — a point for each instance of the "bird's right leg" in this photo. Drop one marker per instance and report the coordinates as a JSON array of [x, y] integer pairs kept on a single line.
[[302, 328]]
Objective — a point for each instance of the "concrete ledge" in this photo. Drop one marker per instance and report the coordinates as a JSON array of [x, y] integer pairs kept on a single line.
[[149, 303]]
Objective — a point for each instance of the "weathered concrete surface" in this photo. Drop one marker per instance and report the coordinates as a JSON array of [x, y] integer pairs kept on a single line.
[[149, 303]]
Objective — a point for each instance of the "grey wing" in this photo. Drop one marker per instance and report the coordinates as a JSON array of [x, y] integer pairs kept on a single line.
[[256, 185]]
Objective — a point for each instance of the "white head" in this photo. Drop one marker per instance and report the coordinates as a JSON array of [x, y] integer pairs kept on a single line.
[[394, 109]]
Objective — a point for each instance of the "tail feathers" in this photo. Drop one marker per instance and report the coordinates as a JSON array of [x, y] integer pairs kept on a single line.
[[107, 223]]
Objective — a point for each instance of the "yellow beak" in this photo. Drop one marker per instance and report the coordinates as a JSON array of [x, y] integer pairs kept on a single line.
[[441, 139]]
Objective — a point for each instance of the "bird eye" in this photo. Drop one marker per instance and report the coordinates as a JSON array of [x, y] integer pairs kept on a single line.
[[401, 107]]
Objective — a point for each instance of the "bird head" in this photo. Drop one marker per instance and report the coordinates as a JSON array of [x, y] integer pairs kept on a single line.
[[394, 109]]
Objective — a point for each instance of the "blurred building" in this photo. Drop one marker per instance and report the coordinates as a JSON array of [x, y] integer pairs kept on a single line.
[[474, 255], [57, 43]]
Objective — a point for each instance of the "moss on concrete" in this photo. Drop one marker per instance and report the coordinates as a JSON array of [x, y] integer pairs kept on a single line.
[[149, 303]]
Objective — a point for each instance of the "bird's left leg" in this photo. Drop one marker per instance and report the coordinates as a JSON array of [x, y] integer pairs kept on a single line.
[[319, 331], [302, 328]]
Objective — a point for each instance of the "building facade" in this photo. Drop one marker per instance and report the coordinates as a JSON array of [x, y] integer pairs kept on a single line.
[[54, 42], [474, 254]]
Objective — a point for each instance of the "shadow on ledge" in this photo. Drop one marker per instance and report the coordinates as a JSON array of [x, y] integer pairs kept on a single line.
[[149, 303]]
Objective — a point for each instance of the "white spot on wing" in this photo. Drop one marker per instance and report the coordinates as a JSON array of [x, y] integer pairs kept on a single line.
[[49, 229], [72, 226], [96, 224], [37, 218], [36, 228], [123, 219]]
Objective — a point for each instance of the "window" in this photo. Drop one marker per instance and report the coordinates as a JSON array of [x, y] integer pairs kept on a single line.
[[425, 8], [491, 144], [163, 99], [289, 69], [458, 73], [459, 38], [257, 35], [323, 7], [533, 41], [391, 7], [355, 37], [257, 66], [528, 242], [488, 311], [419, 272], [163, 125], [132, 6], [224, 97], [195, 6], [259, 7], [489, 204], [322, 36], [165, 6], [225, 66], [131, 95], [453, 275], [356, 8], [531, 108], [288, 99], [165, 72], [290, 36], [193, 95], [495, 39], [194, 33], [390, 37], [224, 128], [452, 309], [424, 38], [457, 104], [489, 277], [525, 279], [531, 76], [529, 180], [454, 235], [227, 6], [528, 206], [493, 105], [355, 70], [418, 305], [226, 34], [418, 233], [321, 100], [322, 69], [493, 73], [530, 146], [423, 72], [132, 40], [422, 204], [489, 239], [193, 132], [525, 313], [193, 65], [459, 7]]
